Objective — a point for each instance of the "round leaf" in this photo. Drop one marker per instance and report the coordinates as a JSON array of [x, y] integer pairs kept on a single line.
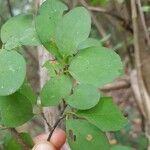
[[19, 30], [55, 90], [73, 30], [96, 65], [49, 14], [83, 135], [89, 43], [15, 110], [28, 92], [105, 115], [11, 143], [84, 97], [12, 72]]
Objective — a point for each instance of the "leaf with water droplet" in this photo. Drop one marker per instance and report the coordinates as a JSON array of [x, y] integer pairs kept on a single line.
[[83, 135], [96, 66], [12, 72]]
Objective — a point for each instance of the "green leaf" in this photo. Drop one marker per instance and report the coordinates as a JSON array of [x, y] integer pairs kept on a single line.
[[142, 142], [53, 67], [12, 72], [55, 90], [27, 139], [146, 8], [106, 115], [12, 43], [49, 14], [83, 135], [15, 110], [10, 143], [84, 97], [90, 42], [120, 147], [28, 92], [19, 30], [72, 30], [96, 65]]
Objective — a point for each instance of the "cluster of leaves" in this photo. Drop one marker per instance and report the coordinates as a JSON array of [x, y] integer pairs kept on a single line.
[[81, 68]]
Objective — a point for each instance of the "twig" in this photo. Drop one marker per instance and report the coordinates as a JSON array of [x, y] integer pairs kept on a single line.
[[3, 128], [124, 23], [143, 91], [54, 127], [46, 121], [143, 22], [96, 23], [136, 91], [145, 101], [9, 8], [102, 10], [57, 123], [19, 139], [116, 85]]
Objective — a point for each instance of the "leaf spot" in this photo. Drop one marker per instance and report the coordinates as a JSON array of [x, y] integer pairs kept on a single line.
[[72, 136], [89, 137]]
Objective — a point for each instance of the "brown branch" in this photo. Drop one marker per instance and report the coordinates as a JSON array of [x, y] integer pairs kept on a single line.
[[102, 10], [136, 92], [19, 139], [143, 22], [143, 91], [124, 23], [57, 123], [9, 8], [54, 127], [121, 84], [96, 23], [46, 121]]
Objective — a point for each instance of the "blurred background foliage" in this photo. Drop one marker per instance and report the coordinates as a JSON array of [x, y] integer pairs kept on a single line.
[[112, 24]]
